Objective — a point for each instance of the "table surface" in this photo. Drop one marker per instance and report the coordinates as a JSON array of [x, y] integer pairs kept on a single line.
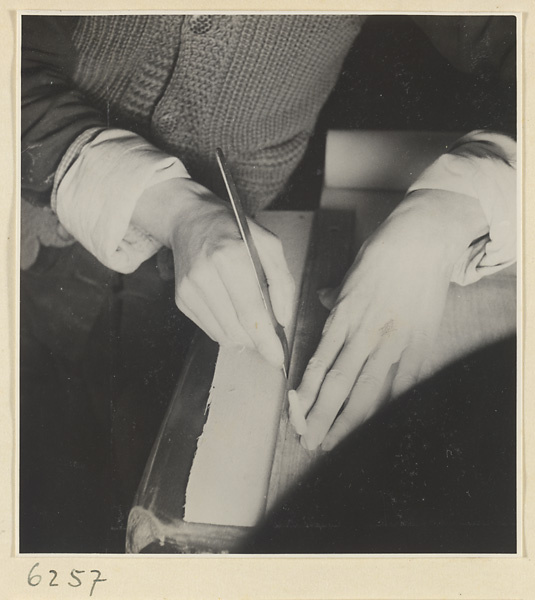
[[475, 316]]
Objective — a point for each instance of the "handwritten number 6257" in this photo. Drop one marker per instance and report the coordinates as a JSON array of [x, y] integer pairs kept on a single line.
[[34, 579]]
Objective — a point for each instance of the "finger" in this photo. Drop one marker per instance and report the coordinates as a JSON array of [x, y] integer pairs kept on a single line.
[[328, 297], [242, 288], [281, 284], [365, 397], [209, 286], [332, 340], [408, 370], [335, 388], [424, 338], [200, 315], [295, 413]]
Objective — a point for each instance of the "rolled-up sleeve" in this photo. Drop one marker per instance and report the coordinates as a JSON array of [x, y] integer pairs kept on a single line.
[[96, 188], [481, 165]]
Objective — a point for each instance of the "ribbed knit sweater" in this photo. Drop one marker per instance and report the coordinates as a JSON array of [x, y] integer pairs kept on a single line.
[[252, 84]]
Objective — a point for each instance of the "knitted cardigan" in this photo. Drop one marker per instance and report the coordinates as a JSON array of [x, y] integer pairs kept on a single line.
[[252, 84]]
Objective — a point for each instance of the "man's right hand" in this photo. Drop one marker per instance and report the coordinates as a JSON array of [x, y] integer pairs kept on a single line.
[[215, 283]]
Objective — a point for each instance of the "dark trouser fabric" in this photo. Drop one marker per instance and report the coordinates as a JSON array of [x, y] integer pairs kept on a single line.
[[100, 355]]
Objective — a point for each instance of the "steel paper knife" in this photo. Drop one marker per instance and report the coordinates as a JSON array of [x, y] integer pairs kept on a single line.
[[261, 279]]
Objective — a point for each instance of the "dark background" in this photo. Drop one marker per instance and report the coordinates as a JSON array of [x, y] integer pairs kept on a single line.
[[394, 78]]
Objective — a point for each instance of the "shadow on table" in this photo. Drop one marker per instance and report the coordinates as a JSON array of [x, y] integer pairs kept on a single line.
[[433, 472]]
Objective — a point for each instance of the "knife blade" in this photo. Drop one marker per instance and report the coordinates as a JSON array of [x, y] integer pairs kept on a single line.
[[247, 237]]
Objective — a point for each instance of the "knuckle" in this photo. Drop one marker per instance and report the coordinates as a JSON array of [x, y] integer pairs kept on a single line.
[[220, 254], [355, 413], [339, 379], [239, 338], [323, 413], [230, 341], [182, 288], [369, 380], [225, 342], [250, 320], [227, 248], [268, 348], [199, 274], [316, 363], [421, 338], [338, 315]]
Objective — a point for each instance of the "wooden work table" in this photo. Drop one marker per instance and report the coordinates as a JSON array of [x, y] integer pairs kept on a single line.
[[475, 317]]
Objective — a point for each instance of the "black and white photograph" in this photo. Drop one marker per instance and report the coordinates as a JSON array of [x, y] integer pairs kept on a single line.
[[268, 295]]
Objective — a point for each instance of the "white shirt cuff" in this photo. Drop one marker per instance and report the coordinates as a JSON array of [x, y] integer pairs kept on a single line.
[[481, 165], [95, 198]]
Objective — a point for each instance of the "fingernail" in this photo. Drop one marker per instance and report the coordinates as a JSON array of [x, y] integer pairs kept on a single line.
[[328, 445], [304, 443], [309, 444], [296, 413]]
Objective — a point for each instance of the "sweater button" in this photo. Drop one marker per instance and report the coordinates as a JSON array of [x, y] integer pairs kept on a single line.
[[200, 24]]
